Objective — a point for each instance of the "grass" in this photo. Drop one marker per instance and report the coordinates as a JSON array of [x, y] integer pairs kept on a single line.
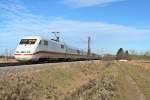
[[103, 87], [70, 77], [56, 77]]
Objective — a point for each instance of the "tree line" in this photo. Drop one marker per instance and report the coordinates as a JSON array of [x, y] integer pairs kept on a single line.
[[123, 54]]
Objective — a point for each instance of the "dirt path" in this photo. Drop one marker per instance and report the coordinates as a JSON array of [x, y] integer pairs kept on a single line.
[[132, 91]]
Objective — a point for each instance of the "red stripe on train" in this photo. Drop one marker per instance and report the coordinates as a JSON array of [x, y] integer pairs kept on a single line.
[[24, 54], [28, 54], [50, 52]]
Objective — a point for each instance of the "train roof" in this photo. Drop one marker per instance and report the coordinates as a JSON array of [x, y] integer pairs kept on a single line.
[[43, 38], [37, 37], [49, 39], [33, 37]]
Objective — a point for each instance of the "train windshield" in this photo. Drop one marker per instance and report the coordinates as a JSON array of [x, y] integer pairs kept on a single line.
[[28, 41]]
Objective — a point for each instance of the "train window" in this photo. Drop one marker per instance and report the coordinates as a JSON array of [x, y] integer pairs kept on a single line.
[[28, 41], [45, 42], [40, 42], [62, 46], [32, 41], [78, 51]]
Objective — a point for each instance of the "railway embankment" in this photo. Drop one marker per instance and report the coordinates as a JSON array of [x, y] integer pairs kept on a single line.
[[83, 80], [47, 81]]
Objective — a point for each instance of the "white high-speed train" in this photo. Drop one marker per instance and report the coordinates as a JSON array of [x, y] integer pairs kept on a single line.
[[36, 48]]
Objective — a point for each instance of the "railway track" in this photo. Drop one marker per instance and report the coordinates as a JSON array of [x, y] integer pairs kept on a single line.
[[19, 67], [10, 64], [20, 64]]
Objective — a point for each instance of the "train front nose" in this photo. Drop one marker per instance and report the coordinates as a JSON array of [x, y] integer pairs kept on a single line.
[[23, 57], [25, 49]]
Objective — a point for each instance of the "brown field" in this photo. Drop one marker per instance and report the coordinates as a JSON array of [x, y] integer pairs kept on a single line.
[[86, 80], [7, 60]]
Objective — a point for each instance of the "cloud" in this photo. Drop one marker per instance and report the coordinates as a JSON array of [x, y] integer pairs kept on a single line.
[[35, 24], [89, 3], [11, 6], [76, 32]]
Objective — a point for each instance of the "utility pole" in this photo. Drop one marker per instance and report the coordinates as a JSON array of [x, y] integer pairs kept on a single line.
[[6, 55], [89, 46]]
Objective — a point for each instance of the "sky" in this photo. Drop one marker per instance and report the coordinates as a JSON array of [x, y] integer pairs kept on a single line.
[[111, 24]]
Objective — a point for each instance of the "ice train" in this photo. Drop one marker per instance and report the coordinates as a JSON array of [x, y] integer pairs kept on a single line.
[[37, 48]]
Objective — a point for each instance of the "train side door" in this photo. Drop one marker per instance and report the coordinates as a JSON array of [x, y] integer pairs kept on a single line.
[[43, 45]]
